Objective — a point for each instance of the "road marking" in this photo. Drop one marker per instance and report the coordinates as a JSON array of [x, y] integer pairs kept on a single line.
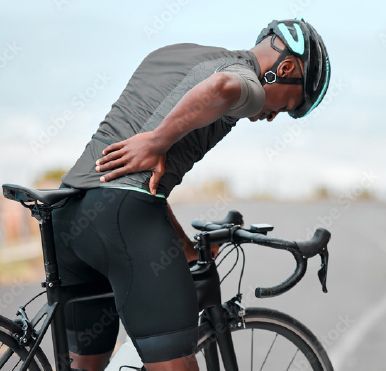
[[356, 335]]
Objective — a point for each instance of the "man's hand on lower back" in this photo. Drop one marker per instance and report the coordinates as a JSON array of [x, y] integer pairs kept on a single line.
[[138, 153], [146, 151]]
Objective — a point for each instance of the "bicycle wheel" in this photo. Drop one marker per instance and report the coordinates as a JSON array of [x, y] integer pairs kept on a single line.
[[12, 354], [270, 340]]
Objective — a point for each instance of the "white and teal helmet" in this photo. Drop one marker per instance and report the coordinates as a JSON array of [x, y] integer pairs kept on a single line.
[[301, 40]]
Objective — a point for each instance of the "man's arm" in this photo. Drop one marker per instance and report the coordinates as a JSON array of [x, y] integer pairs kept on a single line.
[[235, 92], [199, 107]]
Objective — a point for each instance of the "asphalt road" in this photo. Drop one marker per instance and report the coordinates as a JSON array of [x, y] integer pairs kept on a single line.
[[351, 319]]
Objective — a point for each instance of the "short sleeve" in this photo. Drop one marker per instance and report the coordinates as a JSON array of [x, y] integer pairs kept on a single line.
[[252, 95]]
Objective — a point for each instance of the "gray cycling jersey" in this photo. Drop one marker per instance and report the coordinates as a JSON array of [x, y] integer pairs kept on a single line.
[[156, 86], [252, 95]]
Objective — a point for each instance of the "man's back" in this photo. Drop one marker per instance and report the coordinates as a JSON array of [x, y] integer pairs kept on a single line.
[[156, 86]]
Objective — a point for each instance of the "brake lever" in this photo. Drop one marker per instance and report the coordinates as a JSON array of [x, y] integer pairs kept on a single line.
[[322, 273]]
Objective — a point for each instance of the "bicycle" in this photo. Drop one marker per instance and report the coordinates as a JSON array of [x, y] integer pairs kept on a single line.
[[220, 324]]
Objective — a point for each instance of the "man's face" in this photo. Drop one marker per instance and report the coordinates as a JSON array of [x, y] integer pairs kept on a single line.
[[282, 97], [279, 98]]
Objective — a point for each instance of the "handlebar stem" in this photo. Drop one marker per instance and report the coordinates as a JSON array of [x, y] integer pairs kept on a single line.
[[203, 247]]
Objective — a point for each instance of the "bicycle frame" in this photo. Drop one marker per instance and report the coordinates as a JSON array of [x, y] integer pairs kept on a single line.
[[217, 317], [207, 282]]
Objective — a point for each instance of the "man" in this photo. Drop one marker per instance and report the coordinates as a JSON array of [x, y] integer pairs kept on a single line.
[[179, 103]]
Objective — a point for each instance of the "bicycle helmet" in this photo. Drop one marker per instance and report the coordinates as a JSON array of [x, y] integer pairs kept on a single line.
[[301, 40]]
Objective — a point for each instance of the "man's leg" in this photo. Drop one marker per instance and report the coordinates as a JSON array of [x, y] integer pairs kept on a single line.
[[99, 362], [92, 329], [154, 290], [190, 253], [96, 362], [188, 363]]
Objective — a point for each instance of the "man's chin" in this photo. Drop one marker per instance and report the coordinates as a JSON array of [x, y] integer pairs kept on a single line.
[[258, 117]]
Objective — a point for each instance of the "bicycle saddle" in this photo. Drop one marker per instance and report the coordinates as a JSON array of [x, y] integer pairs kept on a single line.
[[48, 197]]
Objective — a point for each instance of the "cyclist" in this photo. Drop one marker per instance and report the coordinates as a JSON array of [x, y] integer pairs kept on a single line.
[[122, 235]]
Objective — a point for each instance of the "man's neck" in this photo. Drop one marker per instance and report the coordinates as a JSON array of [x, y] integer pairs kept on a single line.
[[264, 58], [265, 55]]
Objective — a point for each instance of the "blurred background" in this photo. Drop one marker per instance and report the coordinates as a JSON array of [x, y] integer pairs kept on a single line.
[[62, 65]]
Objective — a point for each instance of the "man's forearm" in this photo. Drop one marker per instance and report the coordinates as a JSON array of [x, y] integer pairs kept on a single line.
[[199, 107]]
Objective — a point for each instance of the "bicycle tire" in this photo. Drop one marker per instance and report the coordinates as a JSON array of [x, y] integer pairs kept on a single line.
[[280, 323], [8, 329]]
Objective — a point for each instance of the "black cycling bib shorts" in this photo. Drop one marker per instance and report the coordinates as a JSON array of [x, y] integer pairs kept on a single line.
[[124, 241]]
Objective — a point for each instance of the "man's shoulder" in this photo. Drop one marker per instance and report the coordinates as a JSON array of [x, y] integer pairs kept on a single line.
[[185, 49], [193, 54], [187, 46]]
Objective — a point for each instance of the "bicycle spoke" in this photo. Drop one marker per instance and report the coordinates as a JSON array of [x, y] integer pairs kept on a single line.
[[271, 342], [269, 351], [17, 364], [252, 350], [292, 360], [5, 357]]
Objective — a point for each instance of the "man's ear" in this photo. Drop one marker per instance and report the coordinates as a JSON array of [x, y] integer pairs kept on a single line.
[[286, 68]]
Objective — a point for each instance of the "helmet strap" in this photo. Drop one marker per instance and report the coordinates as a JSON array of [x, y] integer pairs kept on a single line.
[[271, 76]]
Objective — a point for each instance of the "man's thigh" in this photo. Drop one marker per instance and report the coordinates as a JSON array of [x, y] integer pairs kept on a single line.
[[156, 301]]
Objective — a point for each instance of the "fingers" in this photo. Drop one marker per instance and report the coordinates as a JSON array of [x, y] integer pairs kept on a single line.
[[115, 174], [111, 165], [113, 147], [154, 181], [158, 172], [112, 156]]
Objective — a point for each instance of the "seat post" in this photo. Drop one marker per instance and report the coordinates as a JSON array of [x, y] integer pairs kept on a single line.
[[48, 245], [54, 291]]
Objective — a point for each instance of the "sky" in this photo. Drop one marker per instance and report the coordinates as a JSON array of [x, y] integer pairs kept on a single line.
[[63, 63]]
